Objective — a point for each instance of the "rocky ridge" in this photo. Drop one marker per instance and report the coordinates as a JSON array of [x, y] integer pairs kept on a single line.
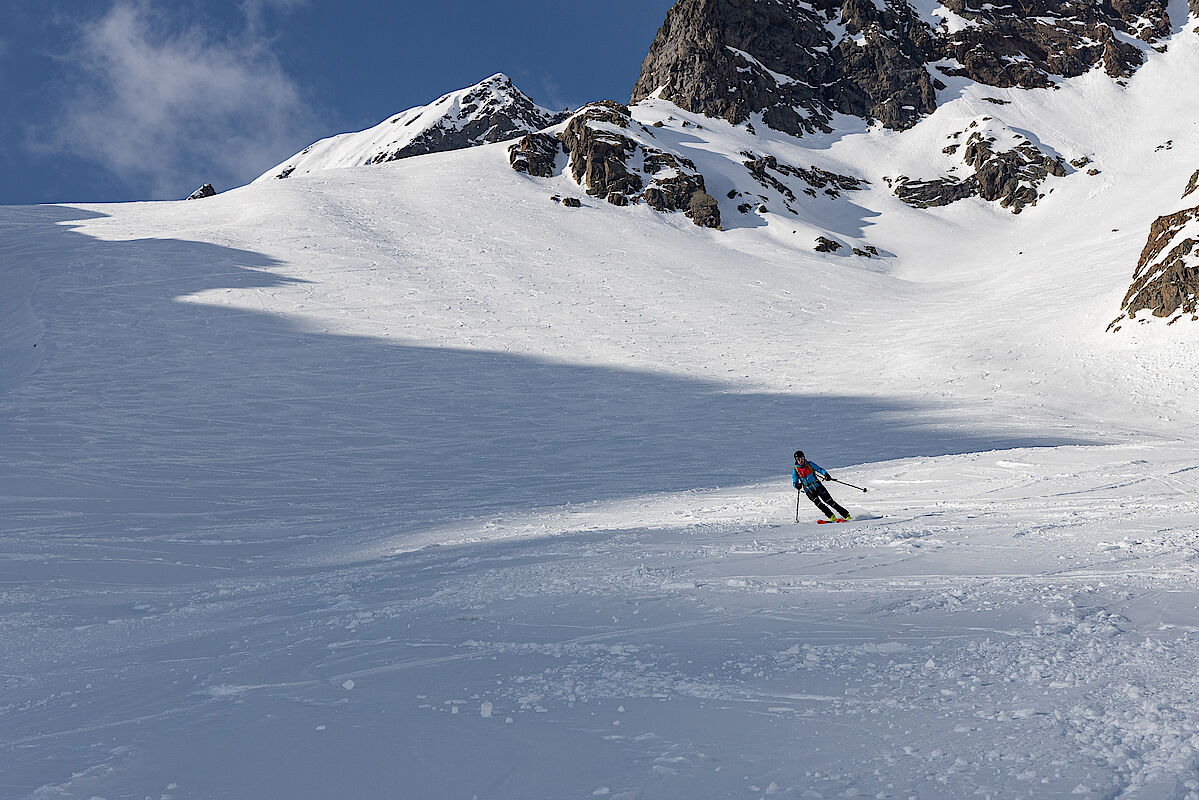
[[488, 112]]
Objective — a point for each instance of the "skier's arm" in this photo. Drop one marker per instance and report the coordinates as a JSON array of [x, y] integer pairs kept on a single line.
[[820, 470]]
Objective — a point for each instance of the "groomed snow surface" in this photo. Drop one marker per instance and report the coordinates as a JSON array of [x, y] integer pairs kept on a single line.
[[407, 482]]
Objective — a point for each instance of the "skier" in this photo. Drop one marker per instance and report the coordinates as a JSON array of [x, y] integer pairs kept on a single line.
[[806, 478]]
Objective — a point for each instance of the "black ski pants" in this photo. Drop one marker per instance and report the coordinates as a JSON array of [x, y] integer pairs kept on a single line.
[[820, 496]]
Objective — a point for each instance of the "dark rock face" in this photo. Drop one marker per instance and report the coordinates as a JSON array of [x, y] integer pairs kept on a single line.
[[598, 157], [1166, 280], [703, 210], [1011, 176], [826, 245], [734, 58], [1028, 44], [621, 169], [796, 63], [536, 154], [204, 191]]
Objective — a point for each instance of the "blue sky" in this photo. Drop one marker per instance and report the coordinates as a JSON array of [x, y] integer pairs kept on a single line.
[[108, 100]]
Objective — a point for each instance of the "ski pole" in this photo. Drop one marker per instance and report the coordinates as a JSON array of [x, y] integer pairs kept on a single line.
[[850, 485], [797, 505]]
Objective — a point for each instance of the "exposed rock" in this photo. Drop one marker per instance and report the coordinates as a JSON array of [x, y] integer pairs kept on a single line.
[[1193, 183], [611, 157], [769, 172], [598, 155], [1031, 43], [734, 58], [204, 191], [938, 192], [1166, 280], [703, 210], [826, 245], [535, 154], [572, 202], [794, 63], [1008, 168]]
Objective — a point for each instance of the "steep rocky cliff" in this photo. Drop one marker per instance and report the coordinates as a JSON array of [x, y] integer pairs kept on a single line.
[[792, 62], [795, 63]]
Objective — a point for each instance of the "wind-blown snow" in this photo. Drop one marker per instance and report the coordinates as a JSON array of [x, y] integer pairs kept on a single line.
[[408, 481]]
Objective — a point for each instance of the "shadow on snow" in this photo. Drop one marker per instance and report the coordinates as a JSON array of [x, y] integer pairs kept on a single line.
[[155, 420]]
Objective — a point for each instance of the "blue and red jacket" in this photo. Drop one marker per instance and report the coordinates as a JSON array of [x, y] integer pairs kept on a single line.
[[804, 477]]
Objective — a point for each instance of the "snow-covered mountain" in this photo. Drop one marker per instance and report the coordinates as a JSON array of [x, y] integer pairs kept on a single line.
[[493, 110], [469, 474]]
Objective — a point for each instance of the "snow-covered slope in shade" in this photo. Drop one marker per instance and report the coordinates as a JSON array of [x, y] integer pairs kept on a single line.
[[493, 110], [328, 487]]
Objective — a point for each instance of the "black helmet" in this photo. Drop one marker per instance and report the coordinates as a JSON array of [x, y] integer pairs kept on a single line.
[[798, 455]]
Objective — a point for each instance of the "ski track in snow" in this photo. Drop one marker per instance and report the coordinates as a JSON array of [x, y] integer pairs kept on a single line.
[[311, 491]]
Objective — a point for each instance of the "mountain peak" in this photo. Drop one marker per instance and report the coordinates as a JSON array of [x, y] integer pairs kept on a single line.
[[492, 110]]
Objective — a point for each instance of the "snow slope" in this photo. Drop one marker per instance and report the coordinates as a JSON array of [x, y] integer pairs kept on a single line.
[[408, 482]]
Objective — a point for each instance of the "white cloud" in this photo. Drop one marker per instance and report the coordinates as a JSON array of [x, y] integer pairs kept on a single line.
[[255, 10], [166, 108]]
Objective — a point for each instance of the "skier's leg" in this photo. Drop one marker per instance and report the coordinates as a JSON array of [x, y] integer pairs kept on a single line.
[[828, 498], [814, 496]]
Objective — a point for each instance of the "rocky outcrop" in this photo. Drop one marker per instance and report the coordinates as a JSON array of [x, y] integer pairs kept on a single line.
[[1007, 168], [535, 154], [599, 155], [1193, 183], [611, 157], [770, 173], [204, 191], [794, 63], [1166, 280]]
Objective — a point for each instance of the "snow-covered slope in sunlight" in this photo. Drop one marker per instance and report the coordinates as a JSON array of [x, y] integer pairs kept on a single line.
[[493, 110], [415, 481]]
